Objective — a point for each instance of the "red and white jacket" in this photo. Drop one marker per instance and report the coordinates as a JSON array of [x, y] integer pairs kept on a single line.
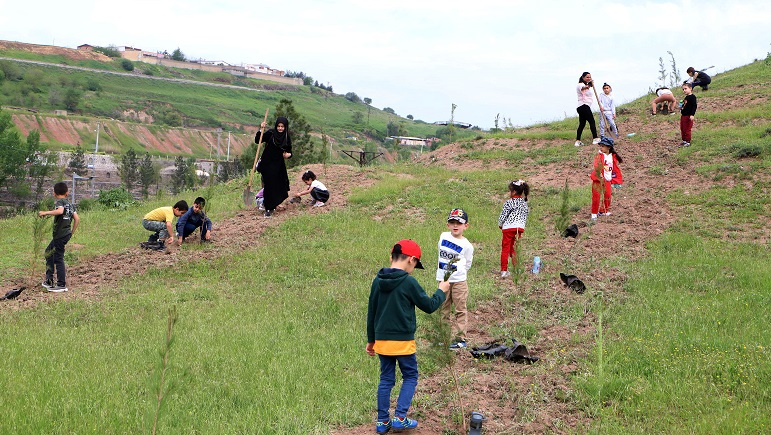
[[599, 162]]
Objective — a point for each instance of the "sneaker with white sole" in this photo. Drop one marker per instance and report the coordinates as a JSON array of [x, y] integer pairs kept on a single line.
[[607, 213], [505, 274], [319, 204], [579, 143], [58, 289], [594, 217], [383, 426], [47, 284], [460, 344], [595, 141], [401, 424]]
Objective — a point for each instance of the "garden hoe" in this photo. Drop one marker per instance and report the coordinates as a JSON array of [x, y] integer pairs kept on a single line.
[[248, 195]]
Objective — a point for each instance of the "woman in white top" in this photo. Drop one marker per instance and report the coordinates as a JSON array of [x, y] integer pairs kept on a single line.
[[664, 95], [584, 109]]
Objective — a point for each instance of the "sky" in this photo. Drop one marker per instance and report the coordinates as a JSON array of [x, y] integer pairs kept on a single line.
[[516, 60]]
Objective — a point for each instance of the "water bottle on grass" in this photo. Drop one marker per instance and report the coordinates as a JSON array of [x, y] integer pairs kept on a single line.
[[536, 264]]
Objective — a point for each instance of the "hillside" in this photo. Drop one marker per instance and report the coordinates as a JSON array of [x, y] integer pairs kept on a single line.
[[167, 105], [713, 194]]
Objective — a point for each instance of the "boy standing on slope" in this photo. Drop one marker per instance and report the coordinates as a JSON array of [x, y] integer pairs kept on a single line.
[[66, 221], [391, 329], [452, 245], [687, 114]]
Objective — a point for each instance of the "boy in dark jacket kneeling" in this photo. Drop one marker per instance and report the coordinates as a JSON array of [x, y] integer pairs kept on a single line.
[[391, 328]]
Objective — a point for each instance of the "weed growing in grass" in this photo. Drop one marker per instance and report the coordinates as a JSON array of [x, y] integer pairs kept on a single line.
[[441, 332], [564, 215], [162, 389]]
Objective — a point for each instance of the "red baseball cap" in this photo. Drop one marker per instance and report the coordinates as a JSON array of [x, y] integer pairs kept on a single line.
[[408, 247]]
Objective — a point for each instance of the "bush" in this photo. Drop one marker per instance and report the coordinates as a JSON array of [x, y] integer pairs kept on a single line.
[[116, 198], [744, 151], [87, 204], [127, 65]]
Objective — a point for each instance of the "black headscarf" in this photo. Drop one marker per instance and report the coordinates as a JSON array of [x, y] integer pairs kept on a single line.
[[280, 139]]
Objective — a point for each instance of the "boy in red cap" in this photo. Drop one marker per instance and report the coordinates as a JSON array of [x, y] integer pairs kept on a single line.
[[391, 331]]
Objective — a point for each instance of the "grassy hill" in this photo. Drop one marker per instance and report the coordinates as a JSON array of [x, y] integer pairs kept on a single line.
[[268, 320], [106, 91]]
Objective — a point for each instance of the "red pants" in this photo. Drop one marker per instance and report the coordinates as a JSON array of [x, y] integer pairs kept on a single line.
[[508, 246], [596, 197], [686, 124]]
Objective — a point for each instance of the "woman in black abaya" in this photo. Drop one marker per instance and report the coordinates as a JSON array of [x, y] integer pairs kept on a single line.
[[272, 168]]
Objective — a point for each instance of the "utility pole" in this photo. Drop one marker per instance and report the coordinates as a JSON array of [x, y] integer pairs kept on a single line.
[[219, 132], [98, 125], [228, 159]]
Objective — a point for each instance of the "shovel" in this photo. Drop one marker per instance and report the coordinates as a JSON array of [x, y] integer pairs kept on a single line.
[[248, 195]]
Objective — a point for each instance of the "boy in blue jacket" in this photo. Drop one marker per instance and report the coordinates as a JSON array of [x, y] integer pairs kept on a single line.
[[192, 219], [391, 331]]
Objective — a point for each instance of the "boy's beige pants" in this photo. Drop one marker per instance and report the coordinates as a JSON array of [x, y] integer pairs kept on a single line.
[[457, 295]]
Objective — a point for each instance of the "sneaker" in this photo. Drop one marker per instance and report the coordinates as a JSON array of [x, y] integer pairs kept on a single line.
[[607, 213], [458, 345], [594, 217], [579, 143], [312, 202], [400, 424], [383, 426], [153, 238], [505, 274], [47, 284], [319, 204], [268, 213], [261, 207], [158, 247], [595, 141], [686, 144], [57, 289]]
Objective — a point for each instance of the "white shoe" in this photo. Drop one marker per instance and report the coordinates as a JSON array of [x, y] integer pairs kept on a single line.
[[594, 217], [607, 213], [319, 204], [505, 274], [595, 141], [579, 143]]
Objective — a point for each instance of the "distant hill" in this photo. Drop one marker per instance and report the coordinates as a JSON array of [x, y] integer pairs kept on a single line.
[[167, 110]]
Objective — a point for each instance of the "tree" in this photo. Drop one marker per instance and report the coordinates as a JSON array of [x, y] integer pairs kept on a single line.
[[13, 153], [368, 102], [78, 161], [358, 117], [184, 174], [410, 117], [352, 97], [72, 99], [178, 55], [148, 174], [127, 65], [389, 110], [42, 164], [129, 169]]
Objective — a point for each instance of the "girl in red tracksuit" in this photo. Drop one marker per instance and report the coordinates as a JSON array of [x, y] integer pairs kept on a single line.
[[605, 168]]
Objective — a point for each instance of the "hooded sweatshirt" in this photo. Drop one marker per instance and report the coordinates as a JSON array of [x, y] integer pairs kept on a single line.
[[392, 301]]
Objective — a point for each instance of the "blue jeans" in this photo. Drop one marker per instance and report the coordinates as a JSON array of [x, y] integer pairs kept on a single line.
[[408, 364], [189, 228]]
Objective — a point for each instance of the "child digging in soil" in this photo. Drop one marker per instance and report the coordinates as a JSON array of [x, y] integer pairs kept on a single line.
[[66, 221], [453, 245], [512, 223], [391, 328], [159, 222], [192, 219], [605, 172], [317, 190]]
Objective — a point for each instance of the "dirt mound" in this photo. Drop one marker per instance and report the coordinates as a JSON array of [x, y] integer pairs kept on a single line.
[[69, 53]]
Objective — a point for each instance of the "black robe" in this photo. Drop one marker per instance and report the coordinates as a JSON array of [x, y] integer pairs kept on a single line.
[[272, 168]]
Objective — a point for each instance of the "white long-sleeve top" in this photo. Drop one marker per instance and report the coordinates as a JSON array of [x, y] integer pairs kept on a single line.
[[449, 248], [608, 103], [514, 214]]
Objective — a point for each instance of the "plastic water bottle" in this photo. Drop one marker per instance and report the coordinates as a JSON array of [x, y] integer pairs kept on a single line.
[[536, 264], [631, 134]]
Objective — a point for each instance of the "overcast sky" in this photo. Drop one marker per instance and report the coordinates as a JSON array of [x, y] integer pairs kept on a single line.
[[518, 59]]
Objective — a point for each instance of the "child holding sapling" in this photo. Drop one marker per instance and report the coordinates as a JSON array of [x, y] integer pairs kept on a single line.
[[66, 221], [456, 254], [317, 190], [512, 221], [605, 172]]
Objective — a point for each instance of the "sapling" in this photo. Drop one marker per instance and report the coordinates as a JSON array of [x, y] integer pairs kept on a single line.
[[564, 216], [449, 268], [165, 356]]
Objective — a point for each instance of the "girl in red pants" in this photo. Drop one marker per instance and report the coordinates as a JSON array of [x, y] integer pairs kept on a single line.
[[512, 222], [605, 172]]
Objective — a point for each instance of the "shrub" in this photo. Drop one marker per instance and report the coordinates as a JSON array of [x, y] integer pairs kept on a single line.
[[127, 65], [744, 151], [87, 204], [116, 198]]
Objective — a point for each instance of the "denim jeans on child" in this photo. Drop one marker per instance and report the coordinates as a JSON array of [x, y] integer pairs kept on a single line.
[[408, 364], [55, 259]]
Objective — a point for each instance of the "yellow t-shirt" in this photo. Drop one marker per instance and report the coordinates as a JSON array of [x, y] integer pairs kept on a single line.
[[161, 214], [395, 347]]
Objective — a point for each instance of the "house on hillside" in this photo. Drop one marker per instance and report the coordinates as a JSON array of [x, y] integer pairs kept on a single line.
[[265, 69], [130, 53], [413, 141], [85, 47]]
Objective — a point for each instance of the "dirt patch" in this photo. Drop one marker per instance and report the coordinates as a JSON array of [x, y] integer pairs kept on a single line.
[[69, 53]]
